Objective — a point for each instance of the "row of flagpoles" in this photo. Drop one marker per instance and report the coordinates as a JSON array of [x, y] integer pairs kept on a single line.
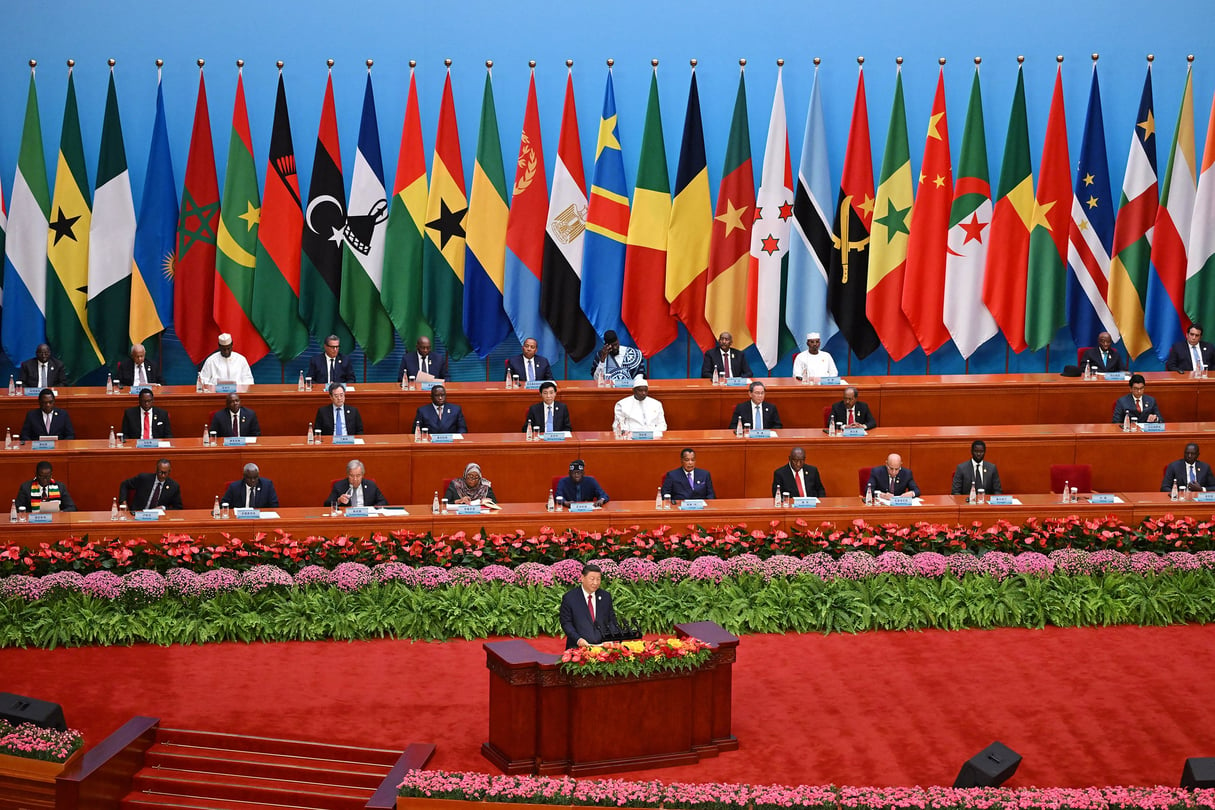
[[911, 262]]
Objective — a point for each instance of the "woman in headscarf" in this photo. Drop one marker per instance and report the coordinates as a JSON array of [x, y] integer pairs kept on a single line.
[[471, 487]]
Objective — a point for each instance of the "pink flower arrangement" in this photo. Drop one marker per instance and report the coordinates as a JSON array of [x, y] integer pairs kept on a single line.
[[35, 742]]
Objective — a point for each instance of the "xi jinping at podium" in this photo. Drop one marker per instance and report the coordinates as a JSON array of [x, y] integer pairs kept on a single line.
[[586, 611]]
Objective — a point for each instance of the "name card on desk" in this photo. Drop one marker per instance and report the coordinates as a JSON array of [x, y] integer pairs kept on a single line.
[[225, 388], [855, 431], [692, 503], [33, 391], [582, 506], [829, 380], [901, 500], [622, 383], [553, 436], [247, 513], [1001, 500], [442, 438], [136, 390], [42, 444], [642, 435], [347, 439], [805, 502], [738, 381], [235, 441], [41, 517], [147, 444], [1152, 427], [1114, 376], [468, 509], [763, 433], [148, 514], [533, 385], [428, 384], [1204, 497], [1103, 497], [358, 511]]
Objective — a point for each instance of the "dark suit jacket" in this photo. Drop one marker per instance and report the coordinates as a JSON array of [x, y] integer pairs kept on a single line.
[[66, 504], [1092, 356], [132, 423], [675, 484], [879, 479], [576, 617], [839, 414], [126, 372], [589, 491], [783, 481], [1177, 472], [515, 366], [35, 427], [318, 370], [324, 420], [371, 493], [221, 423], [1178, 360], [409, 365], [1126, 404], [964, 476], [55, 374], [746, 411], [452, 420], [738, 364], [136, 491], [535, 414], [264, 496]]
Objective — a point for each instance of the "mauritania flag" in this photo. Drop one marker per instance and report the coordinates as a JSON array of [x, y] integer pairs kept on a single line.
[[443, 256], [1200, 272], [67, 251], [810, 251], [730, 242], [607, 227], [24, 323], [111, 239], [1131, 263], [155, 236], [769, 255], [402, 290], [485, 321], [969, 323], [276, 274], [363, 241], [1165, 317], [1092, 232], [236, 240]]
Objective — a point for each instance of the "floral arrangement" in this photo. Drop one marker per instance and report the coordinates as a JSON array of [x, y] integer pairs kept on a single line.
[[482, 549], [633, 658], [35, 742], [565, 791]]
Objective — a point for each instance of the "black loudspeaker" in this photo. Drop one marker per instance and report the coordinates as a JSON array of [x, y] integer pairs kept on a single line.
[[17, 709], [989, 768], [1199, 772]]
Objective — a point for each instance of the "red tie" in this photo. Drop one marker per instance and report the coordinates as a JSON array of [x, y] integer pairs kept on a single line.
[[590, 605], [725, 356], [147, 424], [801, 485], [1139, 405], [851, 416]]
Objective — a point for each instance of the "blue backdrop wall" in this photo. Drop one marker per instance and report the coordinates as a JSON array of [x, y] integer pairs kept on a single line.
[[304, 33]]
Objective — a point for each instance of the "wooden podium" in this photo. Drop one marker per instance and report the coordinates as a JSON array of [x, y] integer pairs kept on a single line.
[[545, 721]]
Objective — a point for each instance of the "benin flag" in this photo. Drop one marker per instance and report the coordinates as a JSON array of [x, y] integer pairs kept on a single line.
[[1046, 277], [402, 291]]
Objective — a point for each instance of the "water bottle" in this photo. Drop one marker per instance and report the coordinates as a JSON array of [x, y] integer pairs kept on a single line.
[[12, 386], [738, 428], [206, 437], [8, 439], [776, 500], [198, 384], [114, 510], [113, 442], [658, 499], [716, 377], [510, 380], [1173, 491], [551, 504], [215, 509], [12, 513], [109, 383], [308, 439], [973, 494], [417, 432], [869, 495], [830, 427], [1067, 492], [1126, 421], [299, 386], [434, 504]]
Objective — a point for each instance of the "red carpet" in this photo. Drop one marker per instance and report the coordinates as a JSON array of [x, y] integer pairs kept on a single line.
[[1091, 706]]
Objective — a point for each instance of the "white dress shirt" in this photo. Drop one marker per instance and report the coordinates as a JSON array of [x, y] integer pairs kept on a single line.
[[814, 365], [646, 414], [234, 367]]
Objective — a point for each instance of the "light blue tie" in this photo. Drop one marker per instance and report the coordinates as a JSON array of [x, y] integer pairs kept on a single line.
[[758, 423], [548, 418], [339, 422]]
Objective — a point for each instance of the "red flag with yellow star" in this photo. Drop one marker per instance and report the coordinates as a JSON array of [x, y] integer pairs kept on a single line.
[[1046, 277]]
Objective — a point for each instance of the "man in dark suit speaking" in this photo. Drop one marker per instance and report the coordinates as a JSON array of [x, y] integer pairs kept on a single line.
[[354, 489], [586, 610]]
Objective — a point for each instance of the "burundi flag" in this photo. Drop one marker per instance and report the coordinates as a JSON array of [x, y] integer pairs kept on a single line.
[[607, 226], [689, 228], [24, 323], [485, 320], [810, 249], [768, 263], [565, 227], [1132, 247], [194, 271], [928, 243], [402, 291], [525, 235], [111, 239], [965, 315], [237, 237], [730, 242], [363, 241], [67, 251], [1200, 271], [1004, 280], [1092, 232], [848, 277], [643, 305], [1165, 316], [443, 256], [888, 236], [155, 236], [276, 272]]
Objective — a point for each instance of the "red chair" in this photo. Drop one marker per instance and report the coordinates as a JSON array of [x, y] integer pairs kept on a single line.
[[826, 416], [862, 477], [1080, 355], [446, 484], [556, 480], [1079, 476]]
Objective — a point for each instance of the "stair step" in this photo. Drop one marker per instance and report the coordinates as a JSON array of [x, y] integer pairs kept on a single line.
[[159, 801], [248, 788], [257, 763], [301, 748]]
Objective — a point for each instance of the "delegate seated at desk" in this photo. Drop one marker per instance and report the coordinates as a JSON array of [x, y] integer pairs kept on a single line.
[[47, 420], [976, 472], [252, 491], [440, 416], [1188, 473], [1137, 405], [43, 489], [893, 478], [548, 414], [354, 489], [470, 487], [578, 487], [686, 482]]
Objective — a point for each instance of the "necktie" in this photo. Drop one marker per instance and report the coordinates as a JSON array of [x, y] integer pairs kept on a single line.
[[531, 370], [248, 496], [590, 605], [758, 422], [1105, 359], [339, 421], [235, 425], [978, 475], [1139, 405], [426, 364], [42, 375], [147, 424], [330, 369], [1197, 358], [852, 416], [139, 378], [801, 484], [725, 363], [47, 418], [548, 418], [356, 496], [1192, 478], [154, 500], [691, 481]]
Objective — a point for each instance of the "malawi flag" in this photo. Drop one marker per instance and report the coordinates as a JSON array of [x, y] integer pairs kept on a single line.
[[644, 307], [111, 239], [565, 229], [237, 238], [324, 220], [888, 236], [402, 291], [924, 282], [1004, 281], [276, 275], [1200, 272], [194, 271], [848, 278], [67, 251], [443, 256], [155, 236], [730, 241]]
